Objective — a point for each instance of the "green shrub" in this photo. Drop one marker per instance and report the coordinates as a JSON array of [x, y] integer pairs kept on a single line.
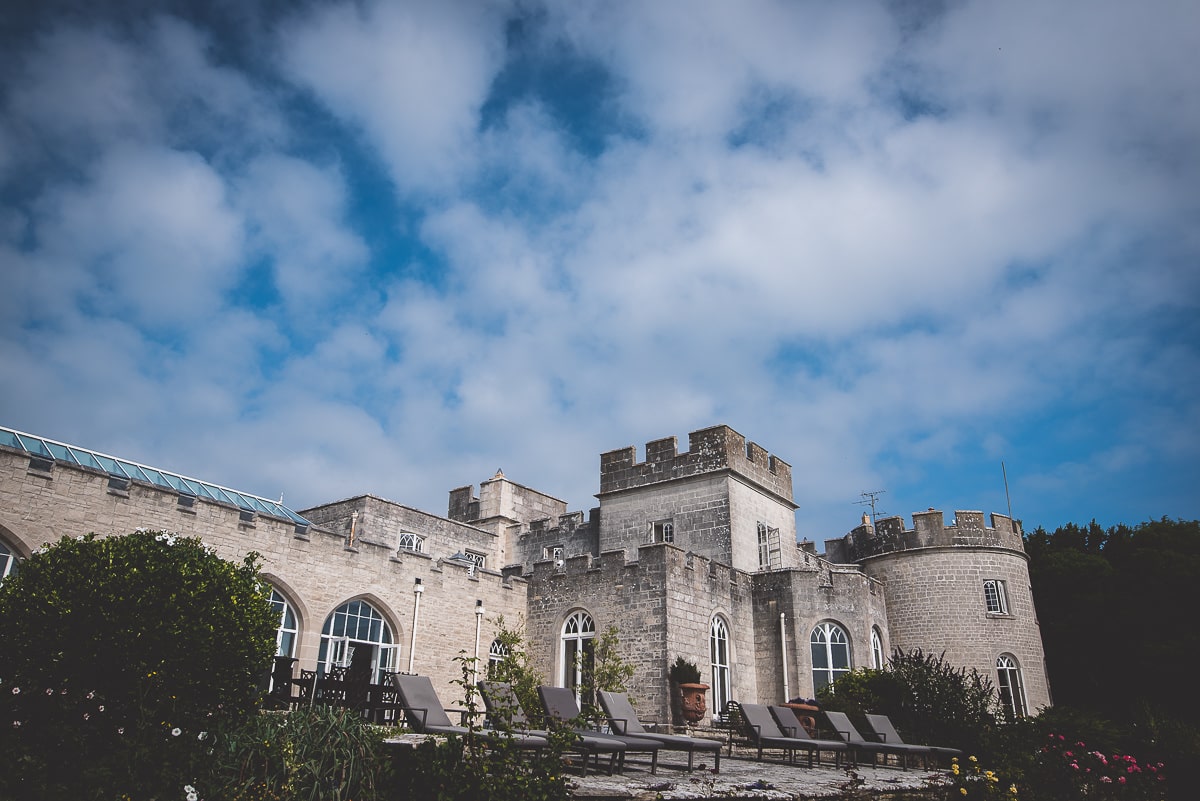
[[514, 669], [928, 699], [316, 754], [474, 767], [120, 655]]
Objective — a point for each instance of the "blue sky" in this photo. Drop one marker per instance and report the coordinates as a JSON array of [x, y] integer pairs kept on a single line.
[[337, 248]]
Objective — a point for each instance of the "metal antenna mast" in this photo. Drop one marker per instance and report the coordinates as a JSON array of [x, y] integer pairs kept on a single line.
[[870, 499]]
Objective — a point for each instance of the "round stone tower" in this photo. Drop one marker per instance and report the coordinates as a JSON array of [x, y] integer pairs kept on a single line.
[[961, 589]]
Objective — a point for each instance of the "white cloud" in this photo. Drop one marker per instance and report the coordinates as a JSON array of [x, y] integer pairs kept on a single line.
[[298, 213], [412, 77], [150, 235]]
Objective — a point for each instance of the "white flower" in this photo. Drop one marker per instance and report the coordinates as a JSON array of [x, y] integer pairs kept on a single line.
[[16, 690], [175, 732]]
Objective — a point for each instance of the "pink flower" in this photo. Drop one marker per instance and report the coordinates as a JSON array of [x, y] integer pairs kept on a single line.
[[1106, 779], [1121, 780], [1074, 766], [49, 691]]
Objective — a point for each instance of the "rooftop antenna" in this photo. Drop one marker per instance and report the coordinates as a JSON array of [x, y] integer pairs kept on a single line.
[[1007, 498], [870, 499]]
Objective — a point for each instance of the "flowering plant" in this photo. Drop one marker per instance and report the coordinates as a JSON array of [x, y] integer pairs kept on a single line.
[[970, 780], [1095, 774]]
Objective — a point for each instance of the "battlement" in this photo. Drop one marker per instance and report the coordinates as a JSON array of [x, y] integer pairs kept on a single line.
[[710, 450], [888, 535]]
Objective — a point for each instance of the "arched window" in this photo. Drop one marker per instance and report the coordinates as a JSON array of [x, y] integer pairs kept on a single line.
[[285, 635], [357, 638], [496, 654], [876, 648], [576, 651], [8, 561], [411, 542], [718, 649], [830, 654], [1010, 686]]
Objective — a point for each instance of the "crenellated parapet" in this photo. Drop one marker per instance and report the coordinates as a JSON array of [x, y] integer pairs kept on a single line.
[[710, 450], [888, 535]]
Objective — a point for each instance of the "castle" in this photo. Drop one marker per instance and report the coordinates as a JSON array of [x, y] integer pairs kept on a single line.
[[690, 553]]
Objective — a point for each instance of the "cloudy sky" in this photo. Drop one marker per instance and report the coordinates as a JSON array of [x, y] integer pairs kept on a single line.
[[328, 249]]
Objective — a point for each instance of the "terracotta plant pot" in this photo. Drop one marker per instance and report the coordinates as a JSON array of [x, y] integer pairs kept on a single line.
[[692, 703]]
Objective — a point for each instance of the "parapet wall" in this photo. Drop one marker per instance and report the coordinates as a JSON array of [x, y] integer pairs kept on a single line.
[[889, 535], [709, 450]]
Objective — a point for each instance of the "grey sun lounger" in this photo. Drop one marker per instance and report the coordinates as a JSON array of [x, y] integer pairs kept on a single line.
[[791, 726], [623, 720], [424, 712], [860, 745], [764, 732], [504, 711], [881, 726], [562, 708]]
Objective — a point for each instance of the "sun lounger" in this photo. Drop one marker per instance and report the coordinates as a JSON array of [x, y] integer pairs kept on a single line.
[[881, 726], [425, 714], [860, 745], [562, 708], [623, 720], [791, 726], [504, 711], [764, 732]]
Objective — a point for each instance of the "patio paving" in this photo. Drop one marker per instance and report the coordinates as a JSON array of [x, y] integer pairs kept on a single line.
[[743, 777]]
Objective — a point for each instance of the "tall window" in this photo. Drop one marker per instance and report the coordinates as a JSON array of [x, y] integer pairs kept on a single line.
[[764, 545], [357, 637], [576, 651], [876, 648], [718, 649], [285, 634], [411, 542], [8, 561], [1010, 686], [830, 654], [663, 531], [996, 597], [496, 654]]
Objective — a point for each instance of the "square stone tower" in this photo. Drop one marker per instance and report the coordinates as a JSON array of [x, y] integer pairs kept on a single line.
[[724, 499]]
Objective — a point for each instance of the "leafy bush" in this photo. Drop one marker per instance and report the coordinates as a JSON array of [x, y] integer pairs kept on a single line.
[[317, 754], [514, 669], [475, 767], [928, 699], [120, 655]]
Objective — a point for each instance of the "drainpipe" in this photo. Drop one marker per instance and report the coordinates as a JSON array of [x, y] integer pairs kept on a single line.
[[478, 623], [412, 643], [783, 645]]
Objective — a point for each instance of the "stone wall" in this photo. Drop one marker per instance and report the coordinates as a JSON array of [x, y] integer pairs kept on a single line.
[[313, 568]]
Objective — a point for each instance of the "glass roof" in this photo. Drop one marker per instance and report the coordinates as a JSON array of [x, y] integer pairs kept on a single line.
[[73, 455]]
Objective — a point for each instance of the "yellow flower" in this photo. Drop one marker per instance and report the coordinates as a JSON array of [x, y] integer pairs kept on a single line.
[[972, 758], [954, 768], [962, 790]]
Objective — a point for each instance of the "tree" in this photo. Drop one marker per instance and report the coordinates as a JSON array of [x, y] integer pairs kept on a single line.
[[120, 655]]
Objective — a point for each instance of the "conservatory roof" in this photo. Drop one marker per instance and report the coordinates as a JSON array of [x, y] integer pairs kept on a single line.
[[122, 468]]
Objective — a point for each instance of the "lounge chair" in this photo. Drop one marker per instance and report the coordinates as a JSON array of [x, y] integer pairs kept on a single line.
[[881, 726], [562, 708], [623, 720], [792, 726], [763, 730], [860, 745], [424, 712], [505, 713]]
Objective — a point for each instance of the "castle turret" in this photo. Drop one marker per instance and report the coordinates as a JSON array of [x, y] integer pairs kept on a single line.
[[960, 589]]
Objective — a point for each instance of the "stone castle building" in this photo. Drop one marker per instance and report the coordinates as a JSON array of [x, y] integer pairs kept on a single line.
[[689, 554]]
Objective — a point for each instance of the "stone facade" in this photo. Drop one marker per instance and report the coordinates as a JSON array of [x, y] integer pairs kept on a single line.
[[682, 545]]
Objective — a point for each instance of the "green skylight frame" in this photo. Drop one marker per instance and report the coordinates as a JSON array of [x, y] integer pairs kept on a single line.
[[125, 469]]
